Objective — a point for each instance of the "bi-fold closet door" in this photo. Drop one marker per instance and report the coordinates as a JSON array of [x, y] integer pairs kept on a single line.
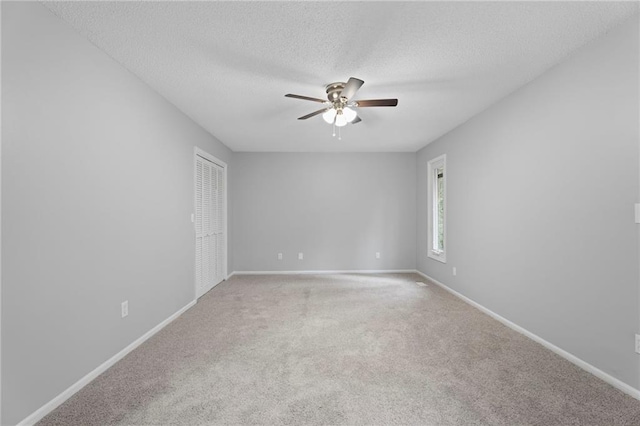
[[210, 222]]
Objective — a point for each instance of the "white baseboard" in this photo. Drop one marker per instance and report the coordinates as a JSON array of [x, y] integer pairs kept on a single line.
[[71, 390], [337, 271], [616, 383]]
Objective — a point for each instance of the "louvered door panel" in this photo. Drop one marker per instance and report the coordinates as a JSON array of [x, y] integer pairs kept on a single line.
[[220, 225], [199, 281], [210, 193], [214, 199], [206, 199], [220, 200], [206, 262], [220, 257], [215, 266], [198, 218]]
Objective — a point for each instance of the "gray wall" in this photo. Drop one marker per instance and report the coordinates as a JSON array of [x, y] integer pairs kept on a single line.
[[541, 188], [338, 209], [97, 186]]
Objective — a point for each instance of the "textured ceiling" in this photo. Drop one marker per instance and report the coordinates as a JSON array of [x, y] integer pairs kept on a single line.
[[227, 65]]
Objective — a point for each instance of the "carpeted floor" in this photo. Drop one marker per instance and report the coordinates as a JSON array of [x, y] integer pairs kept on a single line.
[[342, 349]]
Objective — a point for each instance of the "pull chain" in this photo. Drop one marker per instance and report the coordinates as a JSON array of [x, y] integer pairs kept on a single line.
[[339, 135], [334, 129]]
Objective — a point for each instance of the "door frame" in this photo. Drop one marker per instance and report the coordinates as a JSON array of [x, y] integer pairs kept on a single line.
[[198, 152]]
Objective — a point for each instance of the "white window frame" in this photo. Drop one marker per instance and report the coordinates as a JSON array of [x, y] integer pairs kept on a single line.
[[432, 166]]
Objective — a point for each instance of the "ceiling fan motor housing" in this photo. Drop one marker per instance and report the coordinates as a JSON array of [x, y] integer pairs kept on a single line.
[[334, 90]]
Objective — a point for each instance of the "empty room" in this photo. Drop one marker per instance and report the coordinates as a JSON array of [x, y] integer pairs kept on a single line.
[[323, 213]]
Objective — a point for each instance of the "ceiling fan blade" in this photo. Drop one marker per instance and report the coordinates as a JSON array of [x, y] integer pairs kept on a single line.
[[356, 120], [377, 103], [351, 88], [306, 98], [313, 114]]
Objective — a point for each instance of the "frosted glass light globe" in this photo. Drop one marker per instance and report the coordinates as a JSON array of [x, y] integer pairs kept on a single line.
[[349, 114], [341, 120], [329, 116]]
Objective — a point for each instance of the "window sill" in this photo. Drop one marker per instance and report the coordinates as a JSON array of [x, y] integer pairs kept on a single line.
[[440, 257]]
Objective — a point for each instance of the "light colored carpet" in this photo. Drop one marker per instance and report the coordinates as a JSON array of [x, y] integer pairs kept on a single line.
[[342, 349]]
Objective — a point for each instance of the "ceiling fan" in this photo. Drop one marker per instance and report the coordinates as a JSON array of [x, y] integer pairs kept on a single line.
[[339, 108]]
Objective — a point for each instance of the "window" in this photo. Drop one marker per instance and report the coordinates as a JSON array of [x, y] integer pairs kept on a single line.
[[437, 208]]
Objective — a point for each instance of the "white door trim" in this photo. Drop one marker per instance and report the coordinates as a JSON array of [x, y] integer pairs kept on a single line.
[[198, 152]]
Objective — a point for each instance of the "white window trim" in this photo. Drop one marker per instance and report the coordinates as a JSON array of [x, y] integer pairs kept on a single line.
[[441, 161]]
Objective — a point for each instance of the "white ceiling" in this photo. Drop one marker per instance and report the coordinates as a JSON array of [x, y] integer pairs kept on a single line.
[[228, 65]]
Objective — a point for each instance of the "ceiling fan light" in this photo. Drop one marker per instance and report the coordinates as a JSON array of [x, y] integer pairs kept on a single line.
[[329, 116], [349, 114], [341, 120]]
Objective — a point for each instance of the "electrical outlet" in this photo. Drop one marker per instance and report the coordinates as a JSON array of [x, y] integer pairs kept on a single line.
[[124, 308], [638, 343], [455, 271], [279, 256], [300, 256], [377, 255]]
